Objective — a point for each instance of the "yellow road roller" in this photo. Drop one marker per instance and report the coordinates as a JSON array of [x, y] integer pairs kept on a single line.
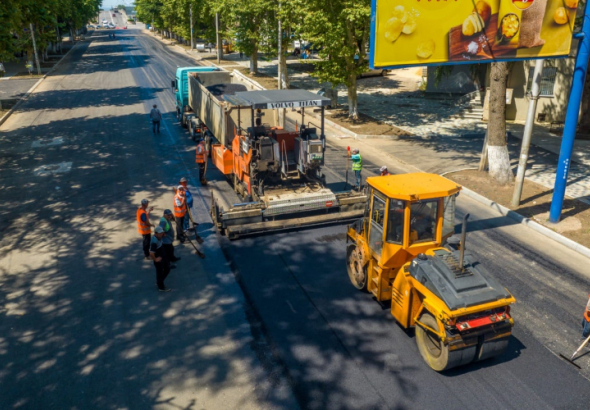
[[404, 252]]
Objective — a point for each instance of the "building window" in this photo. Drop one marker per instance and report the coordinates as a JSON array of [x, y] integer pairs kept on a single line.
[[547, 81]]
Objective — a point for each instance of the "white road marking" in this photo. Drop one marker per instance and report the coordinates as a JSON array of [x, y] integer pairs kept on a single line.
[[46, 170], [41, 143]]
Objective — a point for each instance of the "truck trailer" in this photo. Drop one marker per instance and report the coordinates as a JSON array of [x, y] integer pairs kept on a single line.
[[180, 87], [277, 173]]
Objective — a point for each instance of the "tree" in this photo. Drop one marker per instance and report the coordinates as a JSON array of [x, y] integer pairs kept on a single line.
[[341, 29], [10, 17], [253, 24], [498, 156]]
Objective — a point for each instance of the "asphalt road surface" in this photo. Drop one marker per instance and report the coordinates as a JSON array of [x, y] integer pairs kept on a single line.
[[81, 325]]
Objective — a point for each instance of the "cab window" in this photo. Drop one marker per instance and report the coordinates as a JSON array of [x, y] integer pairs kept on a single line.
[[449, 216], [395, 223], [377, 222], [423, 216]]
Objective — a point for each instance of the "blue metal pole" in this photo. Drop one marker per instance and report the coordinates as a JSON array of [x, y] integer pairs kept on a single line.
[[571, 119]]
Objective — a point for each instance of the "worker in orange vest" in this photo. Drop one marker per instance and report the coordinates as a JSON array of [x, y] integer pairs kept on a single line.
[[180, 212], [201, 159], [144, 226], [586, 320]]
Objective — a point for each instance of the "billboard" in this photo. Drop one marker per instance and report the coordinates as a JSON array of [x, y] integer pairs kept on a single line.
[[421, 32]]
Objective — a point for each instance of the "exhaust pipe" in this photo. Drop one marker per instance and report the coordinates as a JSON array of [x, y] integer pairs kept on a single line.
[[463, 237]]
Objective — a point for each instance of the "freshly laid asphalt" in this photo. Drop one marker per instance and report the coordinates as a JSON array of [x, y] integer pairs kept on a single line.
[[263, 322]]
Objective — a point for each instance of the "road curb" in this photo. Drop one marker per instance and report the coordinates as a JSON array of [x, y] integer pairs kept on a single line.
[[32, 89], [582, 250]]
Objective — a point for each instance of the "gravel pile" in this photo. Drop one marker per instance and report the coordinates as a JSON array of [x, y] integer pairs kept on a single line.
[[219, 90]]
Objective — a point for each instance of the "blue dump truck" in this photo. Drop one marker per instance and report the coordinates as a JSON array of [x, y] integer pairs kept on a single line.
[[181, 90]]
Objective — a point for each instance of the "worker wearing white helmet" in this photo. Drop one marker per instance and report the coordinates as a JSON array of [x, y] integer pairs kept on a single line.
[[384, 171]]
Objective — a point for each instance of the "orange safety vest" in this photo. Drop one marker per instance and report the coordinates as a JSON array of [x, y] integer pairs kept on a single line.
[[587, 311], [179, 206], [201, 152], [143, 227]]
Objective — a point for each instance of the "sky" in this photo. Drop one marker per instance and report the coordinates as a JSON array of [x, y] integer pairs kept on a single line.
[[108, 4]]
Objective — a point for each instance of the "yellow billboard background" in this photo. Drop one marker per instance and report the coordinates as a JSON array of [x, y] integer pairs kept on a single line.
[[419, 32]]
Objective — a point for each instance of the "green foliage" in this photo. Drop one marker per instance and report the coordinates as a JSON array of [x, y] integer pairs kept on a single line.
[[47, 16], [341, 29]]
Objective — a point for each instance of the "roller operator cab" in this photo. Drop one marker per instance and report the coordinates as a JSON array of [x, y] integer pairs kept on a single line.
[[403, 251]]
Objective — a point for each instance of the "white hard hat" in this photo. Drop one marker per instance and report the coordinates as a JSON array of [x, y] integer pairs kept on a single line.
[[383, 168]]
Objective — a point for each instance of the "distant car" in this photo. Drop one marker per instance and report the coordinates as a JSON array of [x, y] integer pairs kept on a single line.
[[114, 15], [90, 26], [105, 26], [124, 27], [104, 21], [201, 47], [111, 25]]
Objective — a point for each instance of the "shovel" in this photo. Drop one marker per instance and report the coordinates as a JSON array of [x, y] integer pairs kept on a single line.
[[571, 360], [198, 252], [194, 228], [204, 180]]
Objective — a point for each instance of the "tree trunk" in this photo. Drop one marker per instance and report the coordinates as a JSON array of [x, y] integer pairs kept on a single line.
[[254, 60], [353, 109], [284, 80], [498, 156]]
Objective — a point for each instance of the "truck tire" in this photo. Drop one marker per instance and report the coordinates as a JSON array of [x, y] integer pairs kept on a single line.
[[357, 271], [435, 353]]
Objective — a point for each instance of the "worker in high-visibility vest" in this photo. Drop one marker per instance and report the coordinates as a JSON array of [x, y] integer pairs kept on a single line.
[[586, 320], [201, 159], [189, 202], [168, 239], [180, 212], [357, 165], [144, 226]]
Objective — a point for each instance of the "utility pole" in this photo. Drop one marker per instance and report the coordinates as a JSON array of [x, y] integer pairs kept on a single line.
[[218, 39], [571, 118], [528, 131], [192, 37], [35, 49], [280, 48]]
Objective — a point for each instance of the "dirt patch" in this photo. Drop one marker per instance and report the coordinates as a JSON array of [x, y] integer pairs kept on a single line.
[[302, 67], [223, 63], [25, 74], [2, 112], [535, 203], [266, 81], [365, 125]]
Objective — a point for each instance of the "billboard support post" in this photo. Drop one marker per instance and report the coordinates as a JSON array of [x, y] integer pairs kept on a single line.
[[571, 119], [528, 131]]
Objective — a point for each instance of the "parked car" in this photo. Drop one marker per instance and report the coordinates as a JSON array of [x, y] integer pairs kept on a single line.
[[373, 73], [91, 26]]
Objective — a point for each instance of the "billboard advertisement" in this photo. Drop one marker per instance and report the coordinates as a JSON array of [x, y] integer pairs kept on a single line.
[[421, 32]]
